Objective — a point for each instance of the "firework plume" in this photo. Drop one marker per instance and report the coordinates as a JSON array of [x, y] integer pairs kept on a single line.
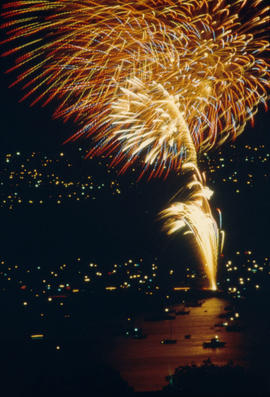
[[157, 81], [193, 216]]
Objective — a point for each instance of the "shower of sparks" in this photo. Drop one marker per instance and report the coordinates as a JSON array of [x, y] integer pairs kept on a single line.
[[153, 121], [193, 216]]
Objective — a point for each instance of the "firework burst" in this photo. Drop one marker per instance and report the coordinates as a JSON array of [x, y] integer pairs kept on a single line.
[[201, 60]]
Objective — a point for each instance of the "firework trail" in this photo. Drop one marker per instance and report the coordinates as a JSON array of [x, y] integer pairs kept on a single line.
[[153, 80], [194, 216]]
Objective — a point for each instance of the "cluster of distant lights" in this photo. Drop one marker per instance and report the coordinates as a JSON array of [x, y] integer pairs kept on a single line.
[[36, 180], [130, 274], [220, 166], [32, 180], [192, 274], [242, 274]]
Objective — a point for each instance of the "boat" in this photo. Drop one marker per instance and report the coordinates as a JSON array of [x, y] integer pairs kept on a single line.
[[168, 341], [182, 312], [138, 336], [169, 311], [194, 303], [214, 343], [159, 317], [235, 328], [226, 315], [220, 324], [229, 308], [134, 333]]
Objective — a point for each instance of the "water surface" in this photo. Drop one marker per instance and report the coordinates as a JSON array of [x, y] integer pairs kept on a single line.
[[145, 363]]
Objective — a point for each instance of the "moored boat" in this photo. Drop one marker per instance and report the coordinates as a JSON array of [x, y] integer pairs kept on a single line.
[[214, 343]]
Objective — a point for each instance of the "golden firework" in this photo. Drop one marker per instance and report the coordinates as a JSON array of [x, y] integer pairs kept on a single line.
[[193, 216], [205, 59]]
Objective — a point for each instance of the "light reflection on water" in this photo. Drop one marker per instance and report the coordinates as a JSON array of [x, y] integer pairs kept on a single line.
[[144, 363]]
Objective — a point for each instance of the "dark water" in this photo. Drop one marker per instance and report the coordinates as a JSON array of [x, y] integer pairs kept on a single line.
[[145, 363]]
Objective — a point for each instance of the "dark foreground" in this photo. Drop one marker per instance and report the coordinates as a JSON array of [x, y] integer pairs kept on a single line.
[[72, 364], [41, 370]]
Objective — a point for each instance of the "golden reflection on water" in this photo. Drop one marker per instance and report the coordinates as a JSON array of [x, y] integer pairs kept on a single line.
[[145, 363]]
